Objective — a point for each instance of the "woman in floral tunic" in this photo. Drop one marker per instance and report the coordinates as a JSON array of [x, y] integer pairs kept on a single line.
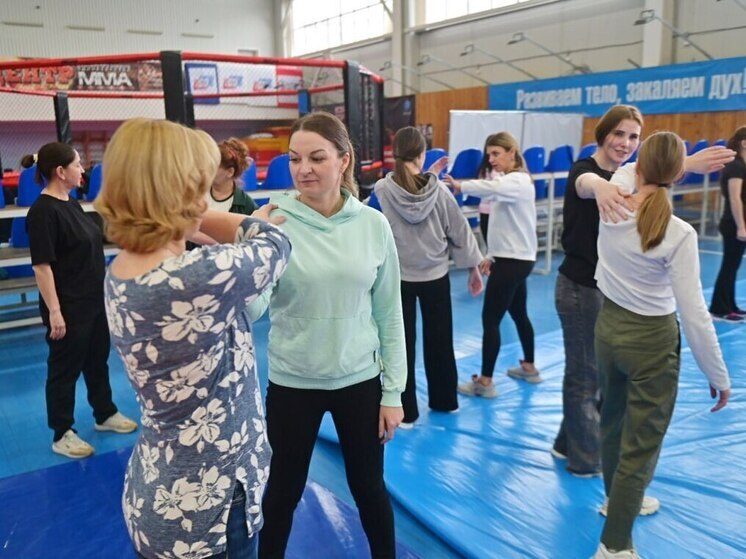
[[196, 476]]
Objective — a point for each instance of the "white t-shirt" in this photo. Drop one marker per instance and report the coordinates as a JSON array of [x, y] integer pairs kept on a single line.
[[220, 205]]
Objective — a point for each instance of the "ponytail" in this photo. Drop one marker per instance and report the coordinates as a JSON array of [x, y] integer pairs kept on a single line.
[[408, 145], [653, 218]]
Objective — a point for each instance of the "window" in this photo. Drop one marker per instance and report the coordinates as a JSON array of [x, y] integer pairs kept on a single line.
[[322, 25], [439, 10]]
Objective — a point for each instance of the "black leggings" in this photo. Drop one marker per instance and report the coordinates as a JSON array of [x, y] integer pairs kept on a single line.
[[506, 291], [293, 420]]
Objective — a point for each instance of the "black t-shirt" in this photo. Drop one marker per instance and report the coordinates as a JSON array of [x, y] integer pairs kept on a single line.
[[580, 226], [62, 235], [736, 169]]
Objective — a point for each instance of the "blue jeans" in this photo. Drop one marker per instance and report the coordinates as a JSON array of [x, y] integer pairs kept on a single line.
[[579, 436], [239, 545]]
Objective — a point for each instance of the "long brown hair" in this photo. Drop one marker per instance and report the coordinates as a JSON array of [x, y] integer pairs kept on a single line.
[[660, 162], [409, 144], [332, 129]]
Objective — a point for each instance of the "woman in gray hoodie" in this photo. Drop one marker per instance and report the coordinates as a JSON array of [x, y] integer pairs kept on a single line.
[[429, 229]]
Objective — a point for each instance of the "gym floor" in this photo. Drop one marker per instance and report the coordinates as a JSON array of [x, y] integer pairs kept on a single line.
[[480, 483]]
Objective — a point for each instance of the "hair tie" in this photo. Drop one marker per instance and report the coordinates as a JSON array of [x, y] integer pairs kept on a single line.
[[664, 185]]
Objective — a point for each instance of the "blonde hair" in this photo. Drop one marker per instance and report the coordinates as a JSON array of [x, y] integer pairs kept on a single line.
[[156, 175], [660, 162], [332, 129]]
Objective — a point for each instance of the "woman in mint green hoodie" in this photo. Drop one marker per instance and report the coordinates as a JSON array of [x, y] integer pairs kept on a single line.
[[336, 341]]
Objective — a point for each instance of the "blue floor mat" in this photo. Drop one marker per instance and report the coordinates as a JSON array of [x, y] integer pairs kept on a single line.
[[484, 481], [73, 511]]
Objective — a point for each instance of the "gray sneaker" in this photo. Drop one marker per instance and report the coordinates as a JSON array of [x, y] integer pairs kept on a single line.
[[474, 388], [519, 373]]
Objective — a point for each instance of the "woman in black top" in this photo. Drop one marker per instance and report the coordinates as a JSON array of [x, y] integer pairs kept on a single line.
[[588, 196], [68, 261], [577, 299], [733, 229]]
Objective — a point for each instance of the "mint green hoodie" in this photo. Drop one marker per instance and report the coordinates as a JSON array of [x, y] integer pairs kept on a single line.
[[335, 314]]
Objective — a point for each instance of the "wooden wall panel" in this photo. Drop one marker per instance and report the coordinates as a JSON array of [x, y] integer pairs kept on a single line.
[[433, 108], [690, 126]]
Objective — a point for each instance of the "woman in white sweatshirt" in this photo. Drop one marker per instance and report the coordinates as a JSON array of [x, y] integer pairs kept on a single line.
[[647, 266], [511, 255]]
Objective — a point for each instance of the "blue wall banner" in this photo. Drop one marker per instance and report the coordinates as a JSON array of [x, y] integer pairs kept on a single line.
[[713, 85]]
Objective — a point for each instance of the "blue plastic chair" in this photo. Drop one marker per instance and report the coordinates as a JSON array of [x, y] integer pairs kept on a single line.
[[248, 179], [534, 159], [465, 166], [278, 173], [373, 202], [560, 159], [587, 150], [28, 190], [94, 182], [18, 234], [431, 156]]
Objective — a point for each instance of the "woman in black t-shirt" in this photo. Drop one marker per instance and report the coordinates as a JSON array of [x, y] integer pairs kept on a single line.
[[733, 229], [68, 262], [577, 299]]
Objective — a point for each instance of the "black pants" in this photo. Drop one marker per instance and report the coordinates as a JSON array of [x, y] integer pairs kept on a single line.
[[724, 294], [437, 344], [85, 348], [293, 420], [506, 292], [484, 224]]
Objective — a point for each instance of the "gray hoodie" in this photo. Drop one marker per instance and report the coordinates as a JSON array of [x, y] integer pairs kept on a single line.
[[429, 229]]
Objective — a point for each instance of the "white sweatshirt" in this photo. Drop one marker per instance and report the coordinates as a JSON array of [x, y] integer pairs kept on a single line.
[[652, 283], [512, 225]]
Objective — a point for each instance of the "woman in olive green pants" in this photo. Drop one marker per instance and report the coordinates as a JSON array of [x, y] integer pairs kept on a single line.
[[648, 264]]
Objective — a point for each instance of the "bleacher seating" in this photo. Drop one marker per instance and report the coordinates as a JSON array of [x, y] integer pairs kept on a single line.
[[465, 167], [248, 179], [278, 173], [94, 182], [534, 159], [560, 159]]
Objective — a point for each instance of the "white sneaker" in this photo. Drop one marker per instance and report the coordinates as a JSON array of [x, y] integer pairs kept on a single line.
[[406, 426], [475, 388], [650, 505], [557, 454], [603, 553], [72, 446], [117, 423], [519, 373]]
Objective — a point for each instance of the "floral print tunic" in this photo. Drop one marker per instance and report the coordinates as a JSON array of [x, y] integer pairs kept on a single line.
[[185, 340]]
